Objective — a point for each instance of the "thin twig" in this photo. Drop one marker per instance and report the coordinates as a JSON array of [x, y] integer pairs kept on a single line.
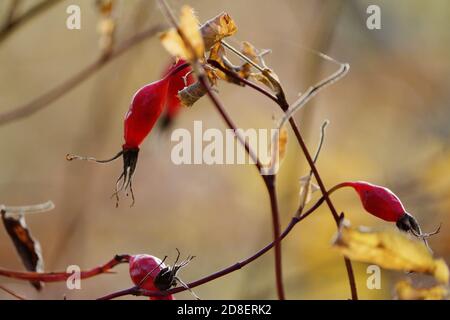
[[269, 181], [62, 276], [234, 267], [283, 104], [15, 295], [11, 13], [13, 24], [37, 208], [61, 89]]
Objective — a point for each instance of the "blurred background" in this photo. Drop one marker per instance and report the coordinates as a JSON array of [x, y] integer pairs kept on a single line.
[[389, 125]]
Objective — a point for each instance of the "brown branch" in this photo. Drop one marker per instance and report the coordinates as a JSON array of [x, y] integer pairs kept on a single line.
[[283, 104], [13, 24], [62, 276], [269, 181], [45, 99], [137, 291], [15, 295]]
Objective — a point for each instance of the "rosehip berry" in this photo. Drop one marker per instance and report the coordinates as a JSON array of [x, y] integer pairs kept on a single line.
[[144, 269], [177, 82], [152, 274], [377, 200], [145, 109], [384, 204]]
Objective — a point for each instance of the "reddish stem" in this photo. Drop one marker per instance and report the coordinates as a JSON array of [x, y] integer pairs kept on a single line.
[[270, 185], [62, 276], [283, 104], [238, 265]]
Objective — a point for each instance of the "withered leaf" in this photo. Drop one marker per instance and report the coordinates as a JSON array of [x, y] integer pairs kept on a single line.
[[217, 28], [406, 291], [269, 79], [175, 44], [390, 249], [307, 188], [26, 246], [217, 56]]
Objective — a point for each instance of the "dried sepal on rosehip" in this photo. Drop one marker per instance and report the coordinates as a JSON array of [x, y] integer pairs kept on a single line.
[[150, 273]]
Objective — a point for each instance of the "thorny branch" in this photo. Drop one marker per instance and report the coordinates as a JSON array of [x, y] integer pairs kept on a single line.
[[238, 265], [118, 259], [269, 180], [284, 105]]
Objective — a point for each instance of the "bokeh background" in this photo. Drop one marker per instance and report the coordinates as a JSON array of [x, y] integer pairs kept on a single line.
[[389, 125]]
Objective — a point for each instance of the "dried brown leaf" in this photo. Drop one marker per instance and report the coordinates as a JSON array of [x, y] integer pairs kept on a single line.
[[217, 28], [175, 44], [26, 246]]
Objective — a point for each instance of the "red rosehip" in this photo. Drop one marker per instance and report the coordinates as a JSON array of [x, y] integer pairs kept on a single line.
[[146, 107], [384, 204], [377, 200], [177, 82], [144, 270]]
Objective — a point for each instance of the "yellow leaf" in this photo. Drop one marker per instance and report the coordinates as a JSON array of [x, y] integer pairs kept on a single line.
[[269, 79], [282, 143], [217, 28], [216, 54], [250, 52], [405, 291], [390, 249], [307, 188], [192, 46]]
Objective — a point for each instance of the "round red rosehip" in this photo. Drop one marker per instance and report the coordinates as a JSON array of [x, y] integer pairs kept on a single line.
[[144, 268]]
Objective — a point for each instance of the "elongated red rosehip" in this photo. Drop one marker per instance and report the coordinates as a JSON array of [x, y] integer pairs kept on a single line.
[[384, 204], [177, 82], [145, 109], [377, 200]]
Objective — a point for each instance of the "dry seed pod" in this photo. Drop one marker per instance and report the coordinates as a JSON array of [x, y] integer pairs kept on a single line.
[[217, 28], [189, 95]]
